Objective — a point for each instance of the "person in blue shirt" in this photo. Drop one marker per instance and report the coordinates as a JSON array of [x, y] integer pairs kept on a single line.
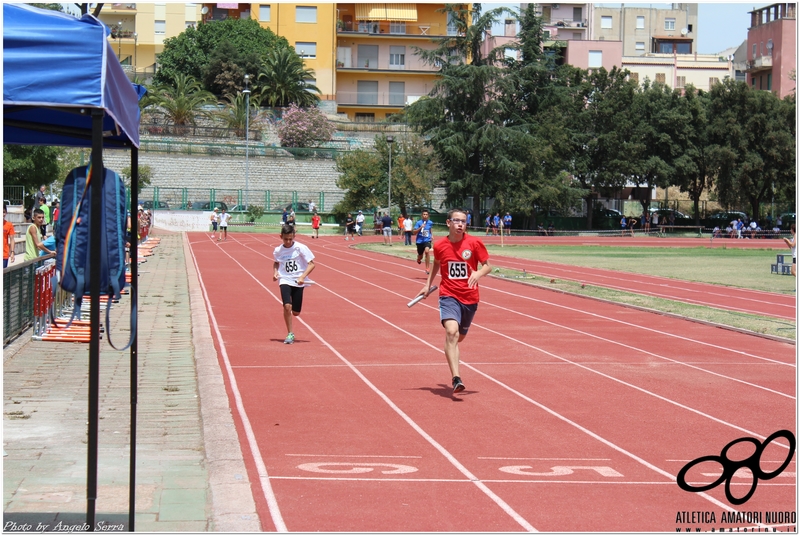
[[496, 223], [469, 218], [424, 239], [506, 222]]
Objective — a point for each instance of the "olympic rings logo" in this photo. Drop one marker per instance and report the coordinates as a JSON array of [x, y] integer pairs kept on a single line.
[[730, 467]]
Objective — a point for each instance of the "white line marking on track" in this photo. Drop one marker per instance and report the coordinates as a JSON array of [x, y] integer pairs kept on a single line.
[[486, 285], [444, 452], [263, 475], [613, 446], [354, 455]]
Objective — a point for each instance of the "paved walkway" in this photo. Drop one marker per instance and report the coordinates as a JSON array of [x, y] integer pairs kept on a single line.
[[190, 475]]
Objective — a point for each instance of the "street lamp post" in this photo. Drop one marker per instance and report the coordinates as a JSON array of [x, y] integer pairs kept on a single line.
[[247, 142], [390, 141], [119, 40]]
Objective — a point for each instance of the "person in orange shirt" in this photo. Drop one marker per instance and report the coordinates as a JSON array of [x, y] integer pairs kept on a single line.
[[8, 239], [315, 220]]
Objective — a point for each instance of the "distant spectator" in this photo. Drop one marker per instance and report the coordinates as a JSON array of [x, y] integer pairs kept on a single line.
[[8, 239], [387, 222], [311, 206], [791, 242], [33, 244], [359, 219], [46, 210], [551, 229], [716, 232]]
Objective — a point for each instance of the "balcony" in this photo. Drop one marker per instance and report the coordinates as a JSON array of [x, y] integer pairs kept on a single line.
[[388, 28], [565, 23], [113, 9], [410, 63], [379, 99], [762, 63]]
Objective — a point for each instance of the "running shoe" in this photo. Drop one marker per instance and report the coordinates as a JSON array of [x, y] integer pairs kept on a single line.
[[289, 339], [457, 385], [418, 260]]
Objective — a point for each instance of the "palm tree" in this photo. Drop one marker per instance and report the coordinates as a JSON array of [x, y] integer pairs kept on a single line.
[[284, 80], [183, 102], [235, 113]]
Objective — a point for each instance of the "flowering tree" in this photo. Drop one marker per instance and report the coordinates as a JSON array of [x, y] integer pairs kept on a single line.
[[304, 127]]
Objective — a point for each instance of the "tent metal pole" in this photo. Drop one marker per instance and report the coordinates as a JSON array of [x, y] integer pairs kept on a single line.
[[95, 237], [134, 346]]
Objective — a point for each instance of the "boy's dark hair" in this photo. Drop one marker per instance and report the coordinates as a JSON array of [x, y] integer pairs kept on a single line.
[[452, 211], [38, 211], [287, 229]]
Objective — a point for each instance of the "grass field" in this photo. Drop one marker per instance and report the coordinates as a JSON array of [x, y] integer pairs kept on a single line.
[[743, 268]]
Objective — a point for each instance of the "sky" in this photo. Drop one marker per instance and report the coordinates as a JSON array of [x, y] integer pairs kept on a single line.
[[720, 25]]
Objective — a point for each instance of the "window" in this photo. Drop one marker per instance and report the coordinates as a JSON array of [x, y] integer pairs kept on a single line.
[[308, 82], [660, 78], [594, 59], [639, 23], [634, 76], [640, 47], [754, 82], [577, 36], [365, 117], [769, 47], [397, 27], [768, 82], [367, 56], [305, 14], [713, 81], [396, 57], [452, 27], [547, 34], [577, 14], [305, 50], [754, 50], [683, 48], [680, 82], [665, 48], [671, 24], [160, 27], [190, 24], [396, 93], [367, 92], [265, 13], [607, 23]]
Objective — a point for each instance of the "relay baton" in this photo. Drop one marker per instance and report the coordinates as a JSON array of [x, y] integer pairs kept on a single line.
[[420, 297]]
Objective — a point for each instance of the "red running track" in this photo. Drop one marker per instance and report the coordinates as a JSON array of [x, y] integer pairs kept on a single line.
[[578, 415]]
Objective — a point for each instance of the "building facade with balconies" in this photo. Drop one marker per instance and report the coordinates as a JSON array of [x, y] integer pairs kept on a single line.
[[138, 31], [648, 30], [771, 50]]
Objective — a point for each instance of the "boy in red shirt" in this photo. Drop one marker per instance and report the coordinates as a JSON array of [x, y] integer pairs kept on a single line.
[[8, 239], [315, 219], [457, 257]]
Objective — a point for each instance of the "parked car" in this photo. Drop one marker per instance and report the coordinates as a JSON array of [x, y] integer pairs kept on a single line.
[[666, 212], [726, 217], [609, 212], [301, 207], [150, 205], [238, 208], [207, 206]]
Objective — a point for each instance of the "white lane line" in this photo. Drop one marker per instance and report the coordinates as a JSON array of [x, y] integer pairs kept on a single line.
[[574, 275], [487, 285], [444, 452], [353, 455], [263, 475], [557, 415], [634, 348], [628, 324]]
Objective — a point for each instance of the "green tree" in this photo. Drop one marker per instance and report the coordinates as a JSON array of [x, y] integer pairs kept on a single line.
[[145, 176], [235, 113], [283, 80], [595, 137], [462, 118], [697, 163], [362, 179], [222, 74], [757, 140], [190, 52], [31, 166], [183, 101]]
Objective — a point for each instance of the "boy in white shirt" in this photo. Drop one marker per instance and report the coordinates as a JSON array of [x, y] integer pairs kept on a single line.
[[224, 217], [293, 263]]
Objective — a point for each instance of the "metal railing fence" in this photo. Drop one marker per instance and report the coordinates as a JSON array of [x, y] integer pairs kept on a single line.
[[238, 199], [18, 297]]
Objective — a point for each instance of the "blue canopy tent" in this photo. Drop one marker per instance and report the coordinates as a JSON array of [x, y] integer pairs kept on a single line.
[[63, 85]]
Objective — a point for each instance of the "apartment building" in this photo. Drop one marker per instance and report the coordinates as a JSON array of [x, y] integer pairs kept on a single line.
[[138, 31], [771, 51], [647, 30], [675, 70]]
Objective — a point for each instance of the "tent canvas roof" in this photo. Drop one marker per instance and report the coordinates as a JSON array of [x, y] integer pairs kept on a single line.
[[56, 69]]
